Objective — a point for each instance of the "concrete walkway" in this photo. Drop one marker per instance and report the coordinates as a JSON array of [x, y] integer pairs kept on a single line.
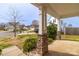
[[64, 48], [12, 51]]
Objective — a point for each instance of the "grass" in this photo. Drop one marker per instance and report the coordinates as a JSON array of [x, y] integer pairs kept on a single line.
[[25, 36], [50, 40], [4, 43], [7, 42], [71, 37], [2, 46]]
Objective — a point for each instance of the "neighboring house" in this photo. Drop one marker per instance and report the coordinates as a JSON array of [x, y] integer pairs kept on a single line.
[[32, 28], [52, 20], [10, 27], [27, 27], [72, 30]]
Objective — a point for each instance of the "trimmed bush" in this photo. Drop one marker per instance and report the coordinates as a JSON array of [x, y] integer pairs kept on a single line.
[[0, 51], [29, 44], [52, 31]]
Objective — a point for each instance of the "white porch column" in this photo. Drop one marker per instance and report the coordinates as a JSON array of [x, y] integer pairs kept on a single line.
[[42, 44], [59, 29], [42, 21]]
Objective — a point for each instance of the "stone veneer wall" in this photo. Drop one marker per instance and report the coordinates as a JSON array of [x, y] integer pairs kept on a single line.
[[42, 44]]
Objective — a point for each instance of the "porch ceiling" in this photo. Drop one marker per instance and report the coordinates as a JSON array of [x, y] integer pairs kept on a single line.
[[61, 10]]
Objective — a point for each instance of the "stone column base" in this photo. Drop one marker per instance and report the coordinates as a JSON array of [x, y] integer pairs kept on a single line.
[[58, 35], [42, 45]]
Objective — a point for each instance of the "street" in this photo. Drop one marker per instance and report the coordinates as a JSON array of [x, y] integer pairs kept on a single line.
[[4, 34]]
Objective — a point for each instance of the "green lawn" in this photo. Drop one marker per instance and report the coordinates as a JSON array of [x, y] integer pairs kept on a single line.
[[7, 42], [4, 43], [70, 37]]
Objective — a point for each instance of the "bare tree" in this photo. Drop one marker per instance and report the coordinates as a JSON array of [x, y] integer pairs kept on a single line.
[[14, 16], [2, 26], [14, 25]]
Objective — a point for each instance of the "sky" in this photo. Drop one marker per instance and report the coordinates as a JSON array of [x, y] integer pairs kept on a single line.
[[72, 20], [28, 13]]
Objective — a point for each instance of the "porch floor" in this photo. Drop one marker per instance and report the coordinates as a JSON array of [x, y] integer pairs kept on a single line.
[[64, 48]]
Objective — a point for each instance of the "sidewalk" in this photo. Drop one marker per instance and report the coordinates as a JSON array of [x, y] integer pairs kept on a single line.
[[12, 51]]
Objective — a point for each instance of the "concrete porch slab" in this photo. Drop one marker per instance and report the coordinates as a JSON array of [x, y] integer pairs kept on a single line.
[[64, 48]]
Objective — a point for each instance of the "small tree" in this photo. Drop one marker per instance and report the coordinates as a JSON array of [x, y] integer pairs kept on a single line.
[[2, 26], [52, 31], [14, 25], [14, 17]]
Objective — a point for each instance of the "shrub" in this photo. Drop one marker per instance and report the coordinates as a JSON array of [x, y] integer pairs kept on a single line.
[[0, 51], [52, 31], [29, 44]]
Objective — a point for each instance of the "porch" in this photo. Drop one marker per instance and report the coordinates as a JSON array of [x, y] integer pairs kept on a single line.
[[59, 11]]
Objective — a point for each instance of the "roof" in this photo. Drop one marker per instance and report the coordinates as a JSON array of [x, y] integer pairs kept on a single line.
[[61, 10]]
